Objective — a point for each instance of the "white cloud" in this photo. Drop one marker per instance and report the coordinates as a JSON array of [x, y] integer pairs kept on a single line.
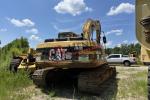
[[3, 30], [125, 41], [119, 45], [21, 23], [109, 43], [73, 7], [122, 8], [61, 30], [116, 31], [135, 42], [33, 31], [119, 33], [34, 37]]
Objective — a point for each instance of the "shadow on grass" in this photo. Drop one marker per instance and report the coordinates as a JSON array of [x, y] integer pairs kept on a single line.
[[68, 89]]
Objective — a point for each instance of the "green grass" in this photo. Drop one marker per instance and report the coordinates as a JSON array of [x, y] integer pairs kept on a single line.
[[139, 61], [15, 86], [11, 84], [139, 84], [134, 86]]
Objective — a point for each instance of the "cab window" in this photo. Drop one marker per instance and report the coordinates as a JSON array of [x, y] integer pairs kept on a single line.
[[114, 56]]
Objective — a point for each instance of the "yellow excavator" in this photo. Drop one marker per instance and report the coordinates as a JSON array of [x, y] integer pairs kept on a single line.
[[73, 56], [70, 56], [143, 33]]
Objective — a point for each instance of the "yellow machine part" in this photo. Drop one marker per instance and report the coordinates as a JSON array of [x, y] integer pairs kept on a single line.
[[142, 32], [25, 64], [30, 66], [31, 51], [66, 44], [142, 11], [145, 55], [89, 27]]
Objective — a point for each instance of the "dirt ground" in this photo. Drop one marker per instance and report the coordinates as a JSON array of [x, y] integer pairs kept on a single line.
[[121, 88]]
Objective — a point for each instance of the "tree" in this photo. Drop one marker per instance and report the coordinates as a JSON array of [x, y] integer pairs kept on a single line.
[[108, 51], [125, 49]]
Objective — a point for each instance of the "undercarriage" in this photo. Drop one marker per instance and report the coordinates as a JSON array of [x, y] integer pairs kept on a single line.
[[86, 80]]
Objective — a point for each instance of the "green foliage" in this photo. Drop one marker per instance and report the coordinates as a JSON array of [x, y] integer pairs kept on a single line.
[[16, 47], [51, 93], [11, 84], [134, 86], [125, 49]]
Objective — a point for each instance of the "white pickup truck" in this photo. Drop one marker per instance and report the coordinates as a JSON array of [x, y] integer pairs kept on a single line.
[[120, 59]]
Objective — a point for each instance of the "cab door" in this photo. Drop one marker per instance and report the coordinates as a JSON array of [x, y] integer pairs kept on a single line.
[[114, 59]]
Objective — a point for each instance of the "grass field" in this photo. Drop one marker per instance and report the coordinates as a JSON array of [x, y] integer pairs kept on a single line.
[[131, 84], [11, 85]]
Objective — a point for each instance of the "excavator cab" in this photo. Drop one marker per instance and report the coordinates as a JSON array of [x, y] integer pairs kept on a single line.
[[67, 35]]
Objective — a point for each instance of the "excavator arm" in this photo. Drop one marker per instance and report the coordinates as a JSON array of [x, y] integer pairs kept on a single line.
[[89, 27]]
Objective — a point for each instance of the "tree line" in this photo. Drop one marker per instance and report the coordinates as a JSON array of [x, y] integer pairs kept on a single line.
[[125, 49]]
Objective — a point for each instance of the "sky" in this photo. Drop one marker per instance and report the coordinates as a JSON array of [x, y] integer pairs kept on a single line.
[[38, 20]]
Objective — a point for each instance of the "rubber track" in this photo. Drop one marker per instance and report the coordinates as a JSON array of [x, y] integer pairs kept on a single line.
[[14, 65], [39, 77], [91, 81]]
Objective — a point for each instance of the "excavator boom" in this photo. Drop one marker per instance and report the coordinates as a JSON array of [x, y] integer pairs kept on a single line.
[[89, 27]]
